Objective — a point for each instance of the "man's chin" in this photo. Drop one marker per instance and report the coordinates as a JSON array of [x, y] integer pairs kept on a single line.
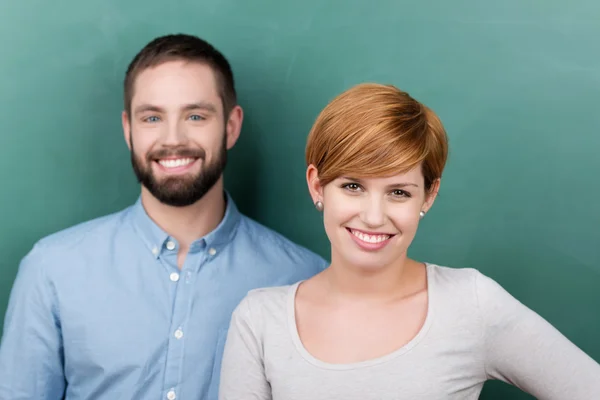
[[176, 192], [175, 199], [178, 185]]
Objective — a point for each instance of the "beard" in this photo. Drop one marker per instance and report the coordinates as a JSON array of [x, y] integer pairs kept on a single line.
[[180, 191]]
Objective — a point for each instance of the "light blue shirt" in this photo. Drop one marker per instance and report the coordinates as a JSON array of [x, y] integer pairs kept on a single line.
[[101, 311]]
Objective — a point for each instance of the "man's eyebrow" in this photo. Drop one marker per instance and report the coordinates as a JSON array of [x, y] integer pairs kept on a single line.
[[147, 107], [209, 107], [201, 106]]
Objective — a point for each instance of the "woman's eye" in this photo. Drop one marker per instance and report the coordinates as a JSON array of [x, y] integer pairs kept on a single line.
[[400, 193], [353, 187]]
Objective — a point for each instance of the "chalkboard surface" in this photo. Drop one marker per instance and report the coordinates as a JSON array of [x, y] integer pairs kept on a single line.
[[515, 82]]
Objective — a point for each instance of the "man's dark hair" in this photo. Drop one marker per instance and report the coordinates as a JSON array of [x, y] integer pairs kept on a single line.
[[187, 48]]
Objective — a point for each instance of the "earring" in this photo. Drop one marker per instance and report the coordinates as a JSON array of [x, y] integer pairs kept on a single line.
[[422, 214], [319, 205]]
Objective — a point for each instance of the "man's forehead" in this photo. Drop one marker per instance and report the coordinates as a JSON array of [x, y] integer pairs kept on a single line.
[[177, 82]]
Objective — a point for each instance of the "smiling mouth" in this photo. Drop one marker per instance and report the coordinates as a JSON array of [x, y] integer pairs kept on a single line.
[[175, 162], [373, 238]]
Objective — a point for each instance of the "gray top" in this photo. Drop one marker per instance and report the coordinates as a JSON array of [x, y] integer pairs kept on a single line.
[[474, 331]]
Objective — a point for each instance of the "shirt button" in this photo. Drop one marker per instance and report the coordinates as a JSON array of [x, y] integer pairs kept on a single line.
[[171, 395], [174, 276], [170, 245], [155, 251], [212, 251], [178, 334]]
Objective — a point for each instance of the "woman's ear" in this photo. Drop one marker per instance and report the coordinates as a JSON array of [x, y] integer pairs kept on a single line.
[[314, 185], [431, 195]]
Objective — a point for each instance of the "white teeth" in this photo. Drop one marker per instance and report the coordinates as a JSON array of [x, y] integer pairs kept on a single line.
[[369, 238], [179, 162]]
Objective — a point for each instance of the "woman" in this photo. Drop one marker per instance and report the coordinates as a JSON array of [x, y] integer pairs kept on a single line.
[[376, 324]]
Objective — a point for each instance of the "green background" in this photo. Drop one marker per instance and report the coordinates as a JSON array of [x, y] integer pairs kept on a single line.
[[516, 83]]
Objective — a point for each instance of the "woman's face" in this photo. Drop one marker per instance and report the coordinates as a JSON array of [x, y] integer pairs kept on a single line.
[[371, 222]]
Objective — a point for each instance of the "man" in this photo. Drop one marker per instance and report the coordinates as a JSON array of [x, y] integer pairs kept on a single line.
[[136, 305]]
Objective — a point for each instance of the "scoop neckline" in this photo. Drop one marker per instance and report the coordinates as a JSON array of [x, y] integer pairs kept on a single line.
[[293, 328]]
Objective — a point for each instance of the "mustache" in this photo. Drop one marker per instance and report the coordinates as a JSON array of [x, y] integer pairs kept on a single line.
[[177, 152]]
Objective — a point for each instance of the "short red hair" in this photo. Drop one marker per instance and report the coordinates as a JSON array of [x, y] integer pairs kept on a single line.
[[374, 130]]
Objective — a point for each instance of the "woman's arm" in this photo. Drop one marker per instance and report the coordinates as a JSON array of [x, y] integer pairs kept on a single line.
[[242, 369], [523, 349]]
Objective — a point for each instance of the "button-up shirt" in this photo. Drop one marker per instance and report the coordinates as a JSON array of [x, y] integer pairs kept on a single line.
[[102, 311]]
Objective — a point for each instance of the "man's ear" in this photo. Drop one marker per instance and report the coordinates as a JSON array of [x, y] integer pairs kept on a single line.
[[314, 184], [233, 126], [126, 128]]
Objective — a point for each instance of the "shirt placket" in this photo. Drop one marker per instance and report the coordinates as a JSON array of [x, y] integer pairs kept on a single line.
[[183, 282]]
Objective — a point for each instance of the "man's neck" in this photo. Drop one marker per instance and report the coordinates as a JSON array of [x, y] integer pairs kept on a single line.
[[187, 224]]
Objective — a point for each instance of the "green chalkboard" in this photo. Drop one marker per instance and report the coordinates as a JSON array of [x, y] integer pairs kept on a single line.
[[515, 82]]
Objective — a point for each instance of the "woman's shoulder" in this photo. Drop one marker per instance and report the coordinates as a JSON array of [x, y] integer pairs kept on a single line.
[[269, 295], [266, 303], [456, 274], [452, 277], [469, 282]]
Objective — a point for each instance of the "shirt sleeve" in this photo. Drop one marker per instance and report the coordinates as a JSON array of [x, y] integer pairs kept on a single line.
[[31, 360], [523, 349], [242, 369]]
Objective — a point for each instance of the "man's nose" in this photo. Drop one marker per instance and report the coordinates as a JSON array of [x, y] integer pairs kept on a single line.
[[175, 134]]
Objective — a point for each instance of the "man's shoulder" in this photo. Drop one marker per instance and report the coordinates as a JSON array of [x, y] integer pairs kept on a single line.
[[91, 231], [53, 253], [271, 242]]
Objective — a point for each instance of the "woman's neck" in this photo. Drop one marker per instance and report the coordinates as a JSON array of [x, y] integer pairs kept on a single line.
[[398, 279]]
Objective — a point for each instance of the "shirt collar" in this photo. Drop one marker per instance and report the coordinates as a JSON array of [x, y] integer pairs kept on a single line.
[[157, 240]]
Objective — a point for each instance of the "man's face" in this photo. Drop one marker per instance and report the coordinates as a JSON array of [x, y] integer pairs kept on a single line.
[[177, 132]]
